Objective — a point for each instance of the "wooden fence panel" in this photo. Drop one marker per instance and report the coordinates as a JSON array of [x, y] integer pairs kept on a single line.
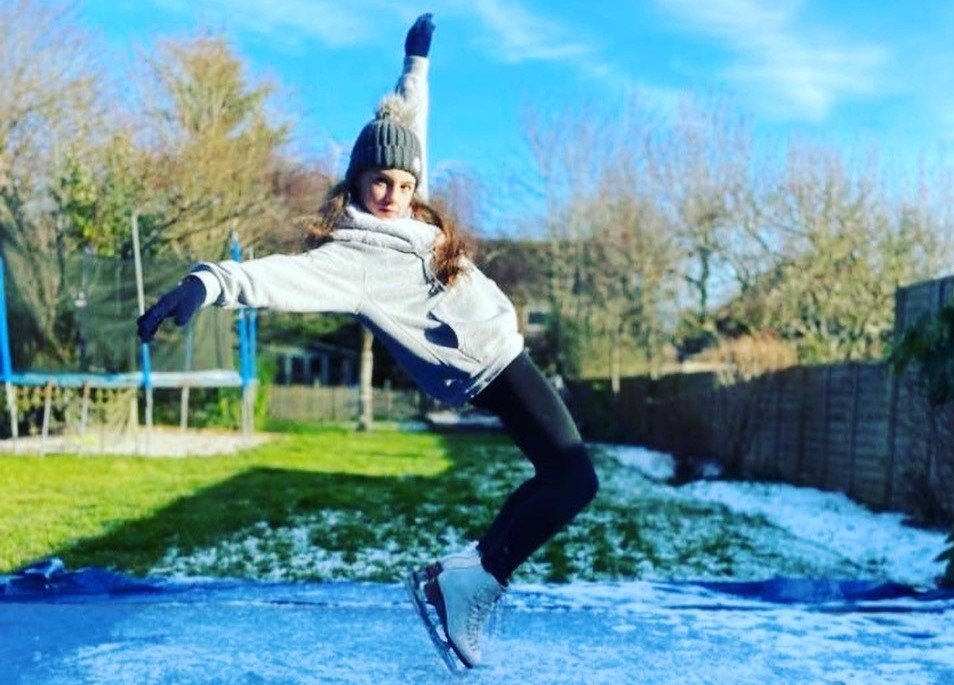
[[851, 427], [789, 425], [840, 419], [872, 430], [915, 301], [815, 428], [635, 394], [910, 438], [338, 403], [755, 461]]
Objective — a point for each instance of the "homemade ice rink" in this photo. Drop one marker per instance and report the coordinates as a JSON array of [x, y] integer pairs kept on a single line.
[[634, 632]]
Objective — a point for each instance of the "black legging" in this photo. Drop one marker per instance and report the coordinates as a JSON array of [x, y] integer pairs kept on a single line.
[[564, 480]]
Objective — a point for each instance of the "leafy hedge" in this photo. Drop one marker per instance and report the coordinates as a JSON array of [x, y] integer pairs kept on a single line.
[[929, 346]]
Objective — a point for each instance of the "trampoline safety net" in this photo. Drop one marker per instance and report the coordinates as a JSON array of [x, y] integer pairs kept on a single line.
[[78, 315]]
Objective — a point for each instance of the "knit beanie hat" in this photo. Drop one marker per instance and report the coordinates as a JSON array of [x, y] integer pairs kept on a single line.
[[387, 141]]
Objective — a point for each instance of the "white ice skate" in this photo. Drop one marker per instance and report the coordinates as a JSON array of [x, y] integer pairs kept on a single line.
[[463, 594], [468, 593]]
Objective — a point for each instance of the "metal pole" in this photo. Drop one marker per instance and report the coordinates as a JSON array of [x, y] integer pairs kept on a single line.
[[252, 357], [184, 396], [143, 347], [6, 361], [252, 335], [241, 325]]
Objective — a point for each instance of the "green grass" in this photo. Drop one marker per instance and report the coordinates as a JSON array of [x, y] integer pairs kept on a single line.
[[326, 502], [126, 511]]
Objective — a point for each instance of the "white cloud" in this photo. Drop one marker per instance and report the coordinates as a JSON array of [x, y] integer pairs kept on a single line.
[[507, 31], [333, 23], [797, 74], [516, 34], [504, 30]]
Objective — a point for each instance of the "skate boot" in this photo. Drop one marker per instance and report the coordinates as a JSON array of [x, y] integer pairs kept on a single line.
[[456, 595], [464, 595]]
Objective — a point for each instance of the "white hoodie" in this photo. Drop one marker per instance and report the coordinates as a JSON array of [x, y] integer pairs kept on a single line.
[[452, 340]]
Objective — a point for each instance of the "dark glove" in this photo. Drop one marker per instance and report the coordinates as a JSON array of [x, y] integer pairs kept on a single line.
[[418, 41], [180, 303]]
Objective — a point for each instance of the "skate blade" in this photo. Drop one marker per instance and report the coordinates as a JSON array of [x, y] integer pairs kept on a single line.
[[448, 654]]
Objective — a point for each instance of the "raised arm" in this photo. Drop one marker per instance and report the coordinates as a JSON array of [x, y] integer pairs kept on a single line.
[[412, 85]]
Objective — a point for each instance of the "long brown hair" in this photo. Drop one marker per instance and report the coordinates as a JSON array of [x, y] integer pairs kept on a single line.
[[450, 248]]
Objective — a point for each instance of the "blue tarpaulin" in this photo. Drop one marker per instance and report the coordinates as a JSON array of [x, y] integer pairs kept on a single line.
[[97, 626], [49, 578]]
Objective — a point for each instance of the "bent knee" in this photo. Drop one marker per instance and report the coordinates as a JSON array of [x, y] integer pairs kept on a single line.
[[588, 483], [575, 476]]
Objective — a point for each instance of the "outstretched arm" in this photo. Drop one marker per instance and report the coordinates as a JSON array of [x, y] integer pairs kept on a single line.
[[326, 279], [413, 87]]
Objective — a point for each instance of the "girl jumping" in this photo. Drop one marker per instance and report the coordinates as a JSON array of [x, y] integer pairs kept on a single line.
[[380, 252]]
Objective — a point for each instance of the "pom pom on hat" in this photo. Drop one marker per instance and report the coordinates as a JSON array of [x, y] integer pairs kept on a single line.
[[394, 107]]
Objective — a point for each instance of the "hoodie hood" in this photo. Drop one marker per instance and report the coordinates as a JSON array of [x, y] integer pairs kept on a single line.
[[404, 235]]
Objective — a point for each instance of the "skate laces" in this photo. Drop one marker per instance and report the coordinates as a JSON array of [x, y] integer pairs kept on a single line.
[[481, 606]]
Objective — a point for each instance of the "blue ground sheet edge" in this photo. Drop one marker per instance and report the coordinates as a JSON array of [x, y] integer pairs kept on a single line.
[[49, 580]]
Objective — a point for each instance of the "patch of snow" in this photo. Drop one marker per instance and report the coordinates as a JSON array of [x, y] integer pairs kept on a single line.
[[159, 441], [448, 418], [835, 522], [412, 426], [802, 532], [657, 466]]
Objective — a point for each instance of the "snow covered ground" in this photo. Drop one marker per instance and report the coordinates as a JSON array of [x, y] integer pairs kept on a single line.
[[648, 630], [828, 520], [642, 527], [833, 521]]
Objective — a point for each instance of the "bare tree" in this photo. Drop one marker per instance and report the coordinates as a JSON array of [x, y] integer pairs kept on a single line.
[[845, 248], [700, 164], [48, 110], [217, 151], [609, 252]]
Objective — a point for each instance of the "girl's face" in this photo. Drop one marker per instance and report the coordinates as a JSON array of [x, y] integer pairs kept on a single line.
[[387, 193]]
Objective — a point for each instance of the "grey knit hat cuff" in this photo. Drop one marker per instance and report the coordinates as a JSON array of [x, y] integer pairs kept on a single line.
[[387, 142]]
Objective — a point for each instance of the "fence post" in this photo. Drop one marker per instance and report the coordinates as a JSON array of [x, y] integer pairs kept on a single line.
[[84, 408], [802, 423], [47, 409], [826, 403], [651, 411], [853, 435], [778, 379], [187, 367], [892, 437]]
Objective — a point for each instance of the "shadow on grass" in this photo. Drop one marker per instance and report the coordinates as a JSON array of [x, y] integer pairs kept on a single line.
[[276, 496]]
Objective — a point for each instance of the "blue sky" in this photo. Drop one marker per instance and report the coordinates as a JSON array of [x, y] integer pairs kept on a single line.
[[843, 72]]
